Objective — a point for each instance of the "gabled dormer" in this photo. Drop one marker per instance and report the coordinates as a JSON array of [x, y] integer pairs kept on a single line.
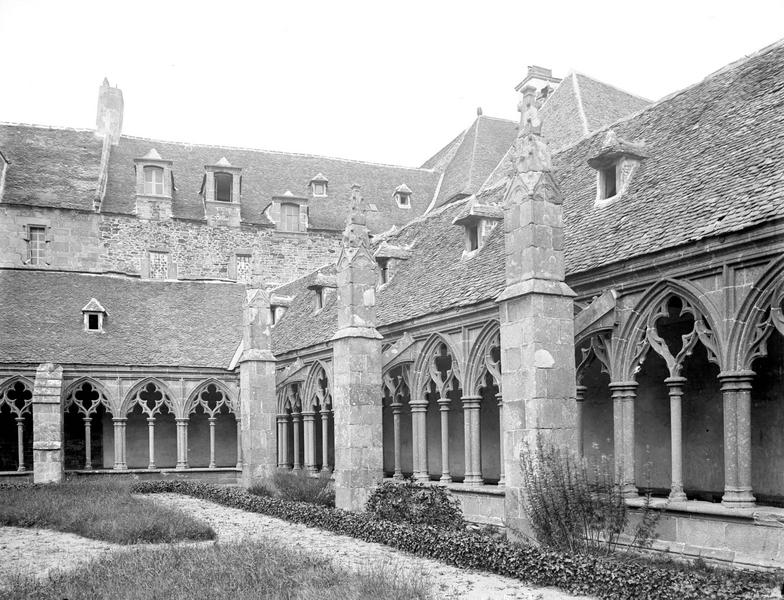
[[93, 314], [289, 213], [477, 222], [154, 186], [388, 257], [221, 190], [278, 307], [403, 196], [615, 165], [319, 186], [321, 286]]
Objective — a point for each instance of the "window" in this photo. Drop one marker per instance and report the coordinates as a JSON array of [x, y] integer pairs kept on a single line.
[[153, 181], [159, 265], [243, 268], [319, 297], [383, 265], [607, 186], [472, 236], [289, 216], [403, 200], [36, 243], [92, 321], [223, 185], [319, 188]]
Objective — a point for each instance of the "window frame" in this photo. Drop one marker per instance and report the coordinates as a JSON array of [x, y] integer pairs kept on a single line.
[[608, 175], [322, 185], [218, 175], [152, 187], [150, 254], [403, 199], [293, 214], [39, 243]]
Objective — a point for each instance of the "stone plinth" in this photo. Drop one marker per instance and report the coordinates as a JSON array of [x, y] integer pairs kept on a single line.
[[48, 458]]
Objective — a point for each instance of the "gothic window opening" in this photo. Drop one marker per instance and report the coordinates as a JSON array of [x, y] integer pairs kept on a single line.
[[289, 216], [85, 412], [36, 244], [396, 422], [223, 186], [215, 428], [153, 181], [16, 427], [151, 409]]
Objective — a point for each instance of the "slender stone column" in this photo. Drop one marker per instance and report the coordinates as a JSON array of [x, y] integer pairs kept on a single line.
[[285, 460], [239, 442], [736, 394], [443, 407], [397, 409], [296, 419], [119, 443], [258, 400], [502, 476], [473, 450], [182, 443], [281, 439], [212, 442], [675, 391], [419, 440], [151, 439], [356, 351], [536, 313], [325, 466], [88, 450], [48, 425], [623, 394], [309, 424], [20, 444], [579, 426]]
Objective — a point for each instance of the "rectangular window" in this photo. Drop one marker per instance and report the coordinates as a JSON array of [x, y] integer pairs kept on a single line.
[[289, 217], [92, 321], [243, 268], [159, 265], [472, 237], [223, 184], [37, 244], [319, 189], [608, 182], [153, 181]]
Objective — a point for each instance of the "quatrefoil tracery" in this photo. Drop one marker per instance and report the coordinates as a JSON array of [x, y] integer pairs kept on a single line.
[[18, 398], [86, 398], [441, 369], [397, 386]]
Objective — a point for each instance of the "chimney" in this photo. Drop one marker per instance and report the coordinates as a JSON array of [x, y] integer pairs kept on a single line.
[[108, 121], [539, 78]]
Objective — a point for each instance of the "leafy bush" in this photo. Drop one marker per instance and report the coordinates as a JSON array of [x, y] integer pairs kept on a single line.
[[261, 489], [577, 507], [591, 574], [101, 509], [416, 503], [301, 486]]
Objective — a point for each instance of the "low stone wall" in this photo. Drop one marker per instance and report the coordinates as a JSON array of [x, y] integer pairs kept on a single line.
[[221, 475], [481, 504]]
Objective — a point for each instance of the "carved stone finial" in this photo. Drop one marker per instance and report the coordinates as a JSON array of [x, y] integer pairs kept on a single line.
[[356, 233], [531, 153]]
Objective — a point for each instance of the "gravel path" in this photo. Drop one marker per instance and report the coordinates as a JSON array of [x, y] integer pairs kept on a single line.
[[37, 551]]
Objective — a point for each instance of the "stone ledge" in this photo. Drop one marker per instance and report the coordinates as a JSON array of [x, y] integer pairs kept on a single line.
[[164, 470], [47, 445], [549, 287], [765, 516], [357, 332]]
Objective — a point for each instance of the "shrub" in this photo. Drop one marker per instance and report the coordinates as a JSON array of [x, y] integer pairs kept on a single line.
[[577, 507], [301, 486], [601, 576], [416, 503]]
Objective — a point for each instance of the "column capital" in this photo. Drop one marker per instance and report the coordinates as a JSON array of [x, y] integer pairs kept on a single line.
[[444, 403], [579, 392], [623, 388], [119, 419], [308, 415], [736, 380], [418, 405], [471, 401], [182, 419]]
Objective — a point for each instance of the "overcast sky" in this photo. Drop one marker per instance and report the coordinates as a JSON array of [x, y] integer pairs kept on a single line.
[[386, 81]]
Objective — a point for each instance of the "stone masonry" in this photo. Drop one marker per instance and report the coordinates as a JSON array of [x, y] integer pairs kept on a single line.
[[537, 330], [357, 368], [47, 425]]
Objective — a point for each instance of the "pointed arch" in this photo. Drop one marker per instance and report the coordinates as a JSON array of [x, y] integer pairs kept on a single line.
[[104, 397], [10, 383], [313, 394], [231, 401], [477, 363], [6, 383], [757, 316], [421, 375], [630, 346], [130, 398]]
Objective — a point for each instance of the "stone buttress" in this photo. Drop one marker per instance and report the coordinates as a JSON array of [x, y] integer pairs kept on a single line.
[[258, 407], [357, 367], [536, 312], [48, 458]]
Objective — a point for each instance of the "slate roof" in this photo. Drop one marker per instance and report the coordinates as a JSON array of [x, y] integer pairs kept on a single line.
[[188, 324], [714, 167], [50, 166], [58, 167]]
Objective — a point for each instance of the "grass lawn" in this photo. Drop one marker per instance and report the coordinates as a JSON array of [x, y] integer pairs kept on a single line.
[[231, 572], [102, 510]]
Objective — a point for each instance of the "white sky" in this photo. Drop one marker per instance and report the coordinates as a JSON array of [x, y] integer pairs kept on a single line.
[[380, 81]]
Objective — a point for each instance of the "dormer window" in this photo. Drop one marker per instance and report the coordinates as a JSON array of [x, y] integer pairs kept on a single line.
[[223, 186], [153, 181], [615, 165], [93, 314], [472, 236], [478, 222], [321, 283], [318, 186], [383, 269], [289, 216], [278, 307], [319, 297], [403, 196], [289, 212]]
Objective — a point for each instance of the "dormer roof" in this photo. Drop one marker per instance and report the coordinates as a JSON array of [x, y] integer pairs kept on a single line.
[[94, 306], [319, 178], [613, 148]]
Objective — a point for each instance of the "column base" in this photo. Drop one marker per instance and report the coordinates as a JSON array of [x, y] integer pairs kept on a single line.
[[446, 479], [473, 480], [181, 466], [738, 499], [398, 476], [21, 469], [421, 478], [120, 467], [629, 490], [677, 495]]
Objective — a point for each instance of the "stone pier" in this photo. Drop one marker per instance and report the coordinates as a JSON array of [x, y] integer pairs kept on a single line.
[[48, 460]]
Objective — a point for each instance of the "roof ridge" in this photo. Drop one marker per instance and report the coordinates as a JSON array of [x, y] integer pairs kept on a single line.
[[497, 119], [423, 217], [473, 152], [579, 97], [676, 93], [39, 126], [278, 152], [610, 85]]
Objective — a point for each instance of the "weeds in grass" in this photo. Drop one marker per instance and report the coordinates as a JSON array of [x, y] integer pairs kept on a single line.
[[300, 486], [219, 572], [100, 509]]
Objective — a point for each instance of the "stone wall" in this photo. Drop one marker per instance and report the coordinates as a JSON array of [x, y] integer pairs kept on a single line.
[[101, 242]]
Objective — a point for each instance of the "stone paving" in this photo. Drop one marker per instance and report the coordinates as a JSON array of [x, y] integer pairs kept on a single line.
[[38, 551]]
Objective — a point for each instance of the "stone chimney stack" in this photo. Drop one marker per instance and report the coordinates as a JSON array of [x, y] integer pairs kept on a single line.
[[258, 405], [356, 363], [536, 310], [108, 121]]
